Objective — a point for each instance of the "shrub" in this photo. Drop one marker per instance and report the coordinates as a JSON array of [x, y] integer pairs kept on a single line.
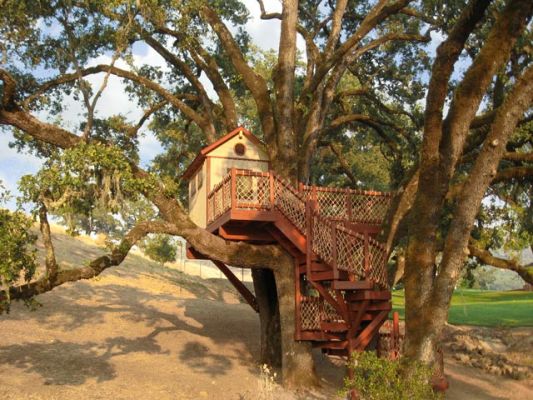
[[160, 248], [377, 378]]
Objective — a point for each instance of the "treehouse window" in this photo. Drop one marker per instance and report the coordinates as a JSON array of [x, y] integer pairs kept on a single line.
[[193, 187], [200, 180]]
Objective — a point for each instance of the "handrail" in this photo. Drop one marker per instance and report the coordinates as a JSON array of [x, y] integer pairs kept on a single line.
[[346, 190], [341, 247]]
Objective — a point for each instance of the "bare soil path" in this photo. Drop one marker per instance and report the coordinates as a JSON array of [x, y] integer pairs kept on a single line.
[[144, 332]]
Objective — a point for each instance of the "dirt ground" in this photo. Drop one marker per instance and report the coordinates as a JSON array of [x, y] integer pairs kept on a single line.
[[152, 333]]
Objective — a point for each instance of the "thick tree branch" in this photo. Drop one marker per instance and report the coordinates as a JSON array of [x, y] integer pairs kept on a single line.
[[239, 254], [513, 173], [480, 177], [344, 165], [469, 93], [266, 15], [447, 54], [253, 81], [336, 24], [8, 90], [486, 257], [203, 122], [378, 14], [94, 268], [521, 157], [50, 258]]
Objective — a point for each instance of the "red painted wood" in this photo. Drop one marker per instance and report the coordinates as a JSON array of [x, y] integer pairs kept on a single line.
[[241, 288], [244, 234], [233, 189], [367, 334], [349, 285]]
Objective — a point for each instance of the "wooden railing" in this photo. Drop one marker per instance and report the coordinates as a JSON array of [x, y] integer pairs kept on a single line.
[[359, 206], [316, 213]]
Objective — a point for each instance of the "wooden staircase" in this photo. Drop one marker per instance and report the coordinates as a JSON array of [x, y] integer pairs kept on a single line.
[[342, 296]]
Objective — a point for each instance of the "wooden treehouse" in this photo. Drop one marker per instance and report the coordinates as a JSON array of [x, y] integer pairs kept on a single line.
[[342, 295]]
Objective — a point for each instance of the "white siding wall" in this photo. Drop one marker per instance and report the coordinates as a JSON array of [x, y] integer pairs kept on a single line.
[[221, 160]]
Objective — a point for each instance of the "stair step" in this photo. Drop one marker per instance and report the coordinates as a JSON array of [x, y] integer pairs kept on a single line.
[[369, 295], [377, 306], [321, 336], [315, 267], [334, 326], [349, 285]]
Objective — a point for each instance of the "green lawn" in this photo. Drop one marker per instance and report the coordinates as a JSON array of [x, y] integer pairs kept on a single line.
[[483, 308]]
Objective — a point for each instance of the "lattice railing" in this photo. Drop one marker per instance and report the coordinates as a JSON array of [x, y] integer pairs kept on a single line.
[[335, 244], [310, 313], [219, 199], [314, 310], [360, 206], [348, 251], [289, 202], [252, 190]]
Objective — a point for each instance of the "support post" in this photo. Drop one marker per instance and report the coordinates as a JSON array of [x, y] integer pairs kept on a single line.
[[297, 301], [309, 238], [233, 189], [272, 188], [366, 252], [241, 288], [334, 250], [395, 335]]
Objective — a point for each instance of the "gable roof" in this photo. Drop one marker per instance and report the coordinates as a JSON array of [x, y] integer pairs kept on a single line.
[[199, 159]]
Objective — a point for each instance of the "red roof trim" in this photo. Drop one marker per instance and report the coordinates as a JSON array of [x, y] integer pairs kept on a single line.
[[199, 159]]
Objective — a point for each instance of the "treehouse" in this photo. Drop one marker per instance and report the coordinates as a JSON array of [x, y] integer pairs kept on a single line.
[[342, 295]]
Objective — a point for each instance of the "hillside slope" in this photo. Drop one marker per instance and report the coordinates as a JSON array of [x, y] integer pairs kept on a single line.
[[142, 331]]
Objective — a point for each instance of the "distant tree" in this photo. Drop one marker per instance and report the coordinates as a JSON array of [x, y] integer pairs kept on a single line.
[[160, 248]]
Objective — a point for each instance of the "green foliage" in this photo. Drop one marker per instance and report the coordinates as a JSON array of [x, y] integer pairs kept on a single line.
[[17, 255], [160, 248], [377, 378], [81, 180]]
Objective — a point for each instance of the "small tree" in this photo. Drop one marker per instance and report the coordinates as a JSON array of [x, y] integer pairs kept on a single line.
[[17, 258], [160, 248]]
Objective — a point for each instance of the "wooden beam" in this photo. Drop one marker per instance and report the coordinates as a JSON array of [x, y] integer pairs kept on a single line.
[[244, 233], [241, 288], [366, 334]]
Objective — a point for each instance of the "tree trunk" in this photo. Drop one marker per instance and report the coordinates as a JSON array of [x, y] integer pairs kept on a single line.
[[267, 300], [297, 360]]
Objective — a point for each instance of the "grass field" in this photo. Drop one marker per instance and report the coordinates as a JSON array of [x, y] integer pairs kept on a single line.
[[483, 308]]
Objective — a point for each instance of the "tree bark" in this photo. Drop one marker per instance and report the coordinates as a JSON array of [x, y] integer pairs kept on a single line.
[[297, 360], [267, 300]]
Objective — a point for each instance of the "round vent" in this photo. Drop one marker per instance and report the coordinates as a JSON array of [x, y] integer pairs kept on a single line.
[[240, 149]]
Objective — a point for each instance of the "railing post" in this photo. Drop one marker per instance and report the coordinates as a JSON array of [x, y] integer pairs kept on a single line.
[[314, 198], [233, 189], [366, 252], [349, 207], [272, 188], [309, 238], [334, 250]]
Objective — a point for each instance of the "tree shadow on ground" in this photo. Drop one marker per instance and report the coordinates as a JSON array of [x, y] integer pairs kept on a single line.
[[84, 307], [59, 363]]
